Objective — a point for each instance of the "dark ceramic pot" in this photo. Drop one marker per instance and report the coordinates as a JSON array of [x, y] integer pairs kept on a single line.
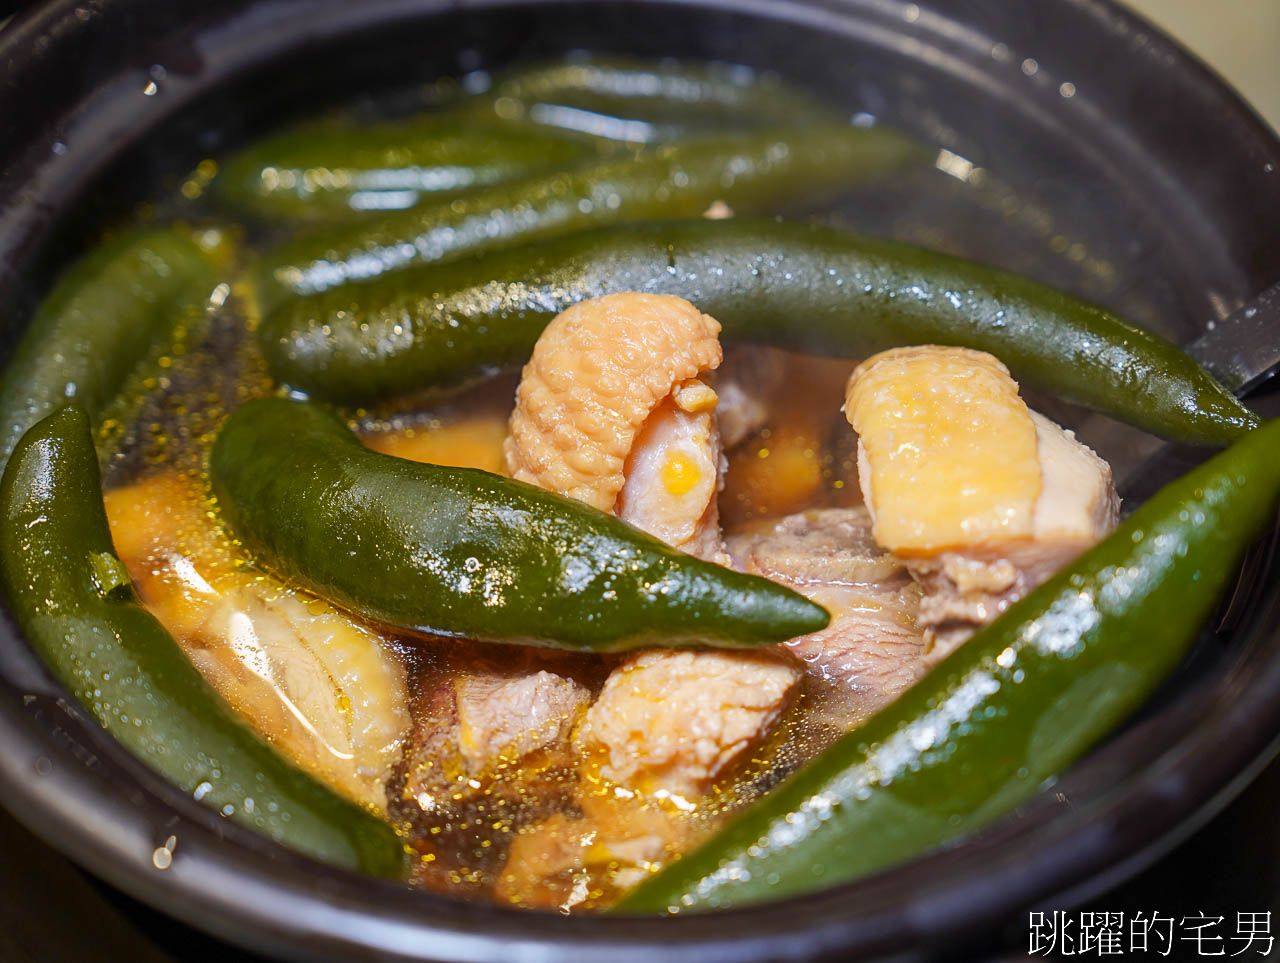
[[1114, 165]]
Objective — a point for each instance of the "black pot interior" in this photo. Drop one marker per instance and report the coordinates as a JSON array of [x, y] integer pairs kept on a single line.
[[1075, 145]]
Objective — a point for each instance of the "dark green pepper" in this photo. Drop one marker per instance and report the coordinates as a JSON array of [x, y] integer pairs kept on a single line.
[[73, 598], [103, 317], [798, 286], [639, 101], [331, 172], [462, 552], [753, 173], [1016, 704]]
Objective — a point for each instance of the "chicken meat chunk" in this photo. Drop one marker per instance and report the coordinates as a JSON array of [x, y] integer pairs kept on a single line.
[[507, 716], [677, 721], [981, 497], [873, 649], [476, 716], [614, 409], [327, 689]]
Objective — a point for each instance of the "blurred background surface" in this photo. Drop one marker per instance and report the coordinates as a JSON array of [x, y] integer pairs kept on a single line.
[[1240, 39]]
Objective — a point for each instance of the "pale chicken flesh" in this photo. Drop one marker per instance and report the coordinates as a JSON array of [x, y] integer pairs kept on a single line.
[[676, 721], [673, 474], [612, 409], [508, 717], [324, 689], [983, 498], [477, 717], [873, 649]]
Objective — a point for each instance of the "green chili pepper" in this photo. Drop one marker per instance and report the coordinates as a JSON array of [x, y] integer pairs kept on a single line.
[[73, 598], [1015, 705], [330, 172], [798, 286], [751, 172], [640, 101], [462, 552], [101, 319]]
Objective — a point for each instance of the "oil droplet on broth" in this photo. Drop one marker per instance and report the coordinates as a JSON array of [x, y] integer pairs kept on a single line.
[[162, 856]]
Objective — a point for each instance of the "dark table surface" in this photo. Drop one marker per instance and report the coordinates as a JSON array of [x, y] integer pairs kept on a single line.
[[51, 910]]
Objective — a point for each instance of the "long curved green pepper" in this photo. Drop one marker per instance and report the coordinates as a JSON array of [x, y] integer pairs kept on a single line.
[[755, 172], [329, 173], [1016, 704], [799, 286], [638, 101], [72, 596], [100, 320], [462, 552]]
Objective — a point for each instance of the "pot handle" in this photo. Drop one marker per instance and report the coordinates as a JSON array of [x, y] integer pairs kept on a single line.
[[1255, 327]]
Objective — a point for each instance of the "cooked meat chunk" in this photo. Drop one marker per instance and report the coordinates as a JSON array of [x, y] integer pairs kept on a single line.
[[1078, 501], [946, 449], [873, 649], [509, 716], [964, 591], [673, 473], [475, 715], [824, 546], [678, 720], [612, 410], [983, 498], [597, 373], [326, 688]]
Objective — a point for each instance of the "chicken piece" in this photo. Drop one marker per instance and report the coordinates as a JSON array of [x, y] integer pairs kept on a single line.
[[1078, 501], [677, 721], [946, 449], [612, 410], [1077, 506], [475, 715], [508, 717], [872, 650], [323, 689], [673, 473], [598, 371], [319, 686], [476, 718], [982, 497]]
